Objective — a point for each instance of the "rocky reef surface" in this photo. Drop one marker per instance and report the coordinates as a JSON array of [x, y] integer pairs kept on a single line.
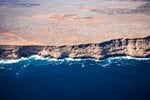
[[137, 47]]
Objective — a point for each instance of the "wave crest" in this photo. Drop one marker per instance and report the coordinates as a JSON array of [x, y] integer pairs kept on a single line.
[[37, 57]]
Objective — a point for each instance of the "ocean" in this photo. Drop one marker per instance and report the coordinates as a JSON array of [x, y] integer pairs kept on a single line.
[[37, 78]]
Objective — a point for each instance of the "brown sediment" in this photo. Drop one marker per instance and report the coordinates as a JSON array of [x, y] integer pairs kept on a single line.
[[72, 18], [12, 35]]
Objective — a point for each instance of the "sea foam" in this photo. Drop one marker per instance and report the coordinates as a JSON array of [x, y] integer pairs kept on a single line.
[[37, 57]]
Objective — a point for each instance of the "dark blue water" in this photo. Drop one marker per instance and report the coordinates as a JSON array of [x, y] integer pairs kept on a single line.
[[49, 79]]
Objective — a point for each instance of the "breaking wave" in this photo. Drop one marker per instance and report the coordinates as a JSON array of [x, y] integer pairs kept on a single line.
[[37, 57], [23, 65]]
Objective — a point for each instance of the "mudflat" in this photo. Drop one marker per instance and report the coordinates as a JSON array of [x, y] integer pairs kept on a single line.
[[68, 22]]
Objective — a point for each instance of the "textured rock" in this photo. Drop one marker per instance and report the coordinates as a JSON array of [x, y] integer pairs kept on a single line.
[[139, 47]]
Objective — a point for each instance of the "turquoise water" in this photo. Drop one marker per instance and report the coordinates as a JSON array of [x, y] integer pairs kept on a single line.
[[37, 78]]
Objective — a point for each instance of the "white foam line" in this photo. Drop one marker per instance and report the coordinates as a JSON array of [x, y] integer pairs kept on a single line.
[[12, 61], [37, 57], [129, 57]]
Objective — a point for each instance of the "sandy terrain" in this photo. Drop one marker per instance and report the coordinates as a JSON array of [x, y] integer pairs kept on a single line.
[[63, 22]]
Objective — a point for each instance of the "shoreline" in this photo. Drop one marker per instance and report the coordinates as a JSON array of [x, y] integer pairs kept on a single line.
[[37, 57], [136, 47]]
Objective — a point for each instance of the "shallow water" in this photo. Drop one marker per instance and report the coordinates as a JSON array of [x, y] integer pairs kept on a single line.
[[37, 78]]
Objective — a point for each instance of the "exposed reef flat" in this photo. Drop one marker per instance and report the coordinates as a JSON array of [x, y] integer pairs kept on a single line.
[[139, 47]]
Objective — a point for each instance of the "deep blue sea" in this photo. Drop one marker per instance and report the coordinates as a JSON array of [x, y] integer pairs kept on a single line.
[[37, 78]]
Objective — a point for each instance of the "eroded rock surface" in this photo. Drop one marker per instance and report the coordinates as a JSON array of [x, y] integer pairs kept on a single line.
[[74, 28], [139, 47]]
